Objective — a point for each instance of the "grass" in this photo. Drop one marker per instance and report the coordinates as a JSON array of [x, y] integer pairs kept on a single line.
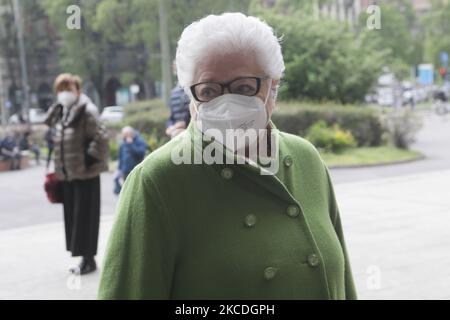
[[369, 156]]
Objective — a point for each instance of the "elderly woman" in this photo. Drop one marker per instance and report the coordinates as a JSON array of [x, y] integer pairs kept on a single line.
[[222, 230], [80, 156]]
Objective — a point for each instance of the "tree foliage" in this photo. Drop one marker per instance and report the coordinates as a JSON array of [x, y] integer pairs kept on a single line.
[[403, 46], [437, 22], [323, 60]]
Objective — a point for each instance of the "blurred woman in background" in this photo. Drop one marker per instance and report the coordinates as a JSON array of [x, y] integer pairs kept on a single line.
[[80, 157]]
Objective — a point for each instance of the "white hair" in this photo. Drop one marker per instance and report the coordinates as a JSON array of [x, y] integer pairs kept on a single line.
[[128, 129], [228, 33]]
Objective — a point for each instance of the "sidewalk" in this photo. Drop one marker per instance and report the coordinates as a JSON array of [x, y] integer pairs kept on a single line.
[[34, 264], [397, 233], [398, 236]]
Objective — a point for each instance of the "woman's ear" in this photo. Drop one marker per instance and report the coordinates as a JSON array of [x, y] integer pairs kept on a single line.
[[274, 89], [192, 109]]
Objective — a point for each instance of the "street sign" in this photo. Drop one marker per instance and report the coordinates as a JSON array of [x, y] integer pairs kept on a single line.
[[122, 96], [425, 74], [444, 58]]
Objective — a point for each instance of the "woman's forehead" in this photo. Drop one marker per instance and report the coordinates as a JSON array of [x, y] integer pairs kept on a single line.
[[227, 67]]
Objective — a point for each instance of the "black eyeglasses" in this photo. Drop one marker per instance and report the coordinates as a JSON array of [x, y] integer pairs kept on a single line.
[[207, 91]]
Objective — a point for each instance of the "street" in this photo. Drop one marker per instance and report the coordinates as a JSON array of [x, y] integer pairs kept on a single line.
[[395, 221]]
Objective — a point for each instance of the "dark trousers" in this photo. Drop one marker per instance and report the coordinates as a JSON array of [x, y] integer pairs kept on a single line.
[[82, 216], [49, 156]]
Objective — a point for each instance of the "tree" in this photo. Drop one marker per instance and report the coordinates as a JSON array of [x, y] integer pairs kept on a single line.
[[38, 44], [399, 35], [437, 31], [111, 25], [84, 51], [323, 60]]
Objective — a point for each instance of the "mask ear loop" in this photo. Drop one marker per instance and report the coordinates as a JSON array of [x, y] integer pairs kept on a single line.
[[267, 99]]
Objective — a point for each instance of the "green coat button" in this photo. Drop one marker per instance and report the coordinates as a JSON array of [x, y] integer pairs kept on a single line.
[[227, 173], [288, 161], [250, 220], [313, 260], [270, 272], [293, 211]]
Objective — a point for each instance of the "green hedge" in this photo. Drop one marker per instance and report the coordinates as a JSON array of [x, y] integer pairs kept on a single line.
[[149, 117], [363, 122]]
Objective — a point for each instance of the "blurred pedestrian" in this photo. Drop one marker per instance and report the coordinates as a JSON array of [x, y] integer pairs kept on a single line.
[[27, 144], [9, 150], [179, 112], [50, 144], [80, 155], [131, 153]]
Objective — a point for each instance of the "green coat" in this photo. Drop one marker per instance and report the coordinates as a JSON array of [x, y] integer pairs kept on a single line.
[[226, 231]]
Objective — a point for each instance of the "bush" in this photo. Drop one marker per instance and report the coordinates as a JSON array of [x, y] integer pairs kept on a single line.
[[150, 117], [332, 139], [154, 141], [113, 150], [401, 126], [363, 122], [139, 107]]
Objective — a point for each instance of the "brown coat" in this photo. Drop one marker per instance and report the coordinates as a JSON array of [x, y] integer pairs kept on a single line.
[[78, 153]]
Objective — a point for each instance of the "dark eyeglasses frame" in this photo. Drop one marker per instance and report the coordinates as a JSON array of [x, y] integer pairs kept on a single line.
[[227, 86]]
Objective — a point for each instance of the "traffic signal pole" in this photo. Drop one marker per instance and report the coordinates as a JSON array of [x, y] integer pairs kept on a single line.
[[23, 63], [165, 51]]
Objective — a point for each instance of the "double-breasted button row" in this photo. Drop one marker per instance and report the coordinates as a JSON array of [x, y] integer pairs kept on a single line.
[[270, 272], [313, 260], [293, 211], [250, 220], [288, 161], [227, 173]]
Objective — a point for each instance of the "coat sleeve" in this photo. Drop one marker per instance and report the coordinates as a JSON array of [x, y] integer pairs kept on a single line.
[[94, 135], [140, 255], [138, 148], [350, 290], [52, 115]]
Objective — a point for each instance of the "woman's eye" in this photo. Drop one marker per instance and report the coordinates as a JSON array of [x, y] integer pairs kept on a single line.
[[245, 89], [207, 92]]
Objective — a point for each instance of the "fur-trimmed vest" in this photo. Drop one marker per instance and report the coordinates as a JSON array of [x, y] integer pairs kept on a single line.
[[81, 147]]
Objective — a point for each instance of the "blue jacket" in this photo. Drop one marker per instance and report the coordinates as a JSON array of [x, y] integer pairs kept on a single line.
[[7, 143], [179, 106], [131, 154]]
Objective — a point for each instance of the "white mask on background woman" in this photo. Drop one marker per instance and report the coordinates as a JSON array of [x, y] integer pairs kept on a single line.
[[66, 98]]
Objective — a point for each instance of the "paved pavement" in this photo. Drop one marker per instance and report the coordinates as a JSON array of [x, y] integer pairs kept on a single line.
[[397, 233], [396, 221], [433, 141], [24, 203]]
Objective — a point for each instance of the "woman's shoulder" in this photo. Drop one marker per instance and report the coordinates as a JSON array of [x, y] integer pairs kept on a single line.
[[299, 146]]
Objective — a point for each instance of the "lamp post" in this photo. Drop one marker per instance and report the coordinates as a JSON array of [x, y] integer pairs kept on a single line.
[[23, 63], [165, 51], [2, 97]]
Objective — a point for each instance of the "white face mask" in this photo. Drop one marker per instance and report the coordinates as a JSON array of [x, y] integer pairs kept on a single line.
[[66, 98], [227, 114]]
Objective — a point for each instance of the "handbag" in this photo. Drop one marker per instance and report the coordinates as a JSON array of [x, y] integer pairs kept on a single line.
[[53, 188]]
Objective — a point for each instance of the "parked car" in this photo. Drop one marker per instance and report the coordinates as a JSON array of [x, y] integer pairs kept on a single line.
[[14, 119], [112, 114], [37, 115], [385, 96]]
